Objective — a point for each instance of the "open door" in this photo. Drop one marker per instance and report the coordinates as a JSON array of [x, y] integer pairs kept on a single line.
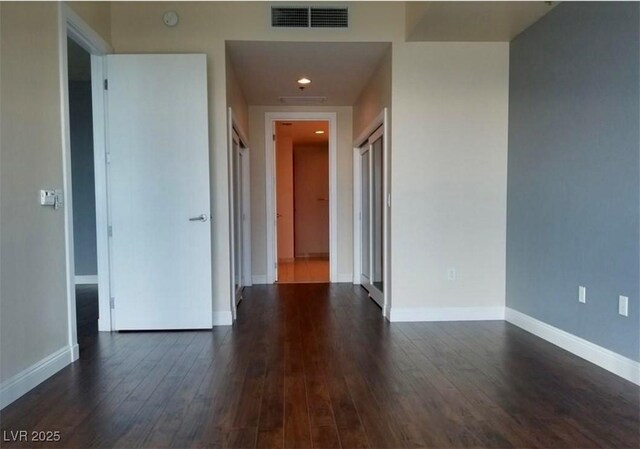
[[159, 191]]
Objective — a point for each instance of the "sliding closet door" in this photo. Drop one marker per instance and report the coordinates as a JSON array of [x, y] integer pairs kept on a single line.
[[372, 214], [377, 211], [237, 216], [365, 222]]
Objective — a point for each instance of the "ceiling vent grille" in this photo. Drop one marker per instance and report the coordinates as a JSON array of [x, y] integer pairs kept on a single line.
[[302, 100], [309, 17], [329, 18], [286, 17]]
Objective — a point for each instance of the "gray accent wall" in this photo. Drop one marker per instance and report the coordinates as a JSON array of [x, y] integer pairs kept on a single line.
[[573, 172]]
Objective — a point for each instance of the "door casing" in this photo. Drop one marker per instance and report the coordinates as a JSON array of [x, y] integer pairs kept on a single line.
[[270, 175]]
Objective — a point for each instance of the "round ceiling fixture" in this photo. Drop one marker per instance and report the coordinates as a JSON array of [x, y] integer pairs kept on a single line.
[[304, 81], [170, 18]]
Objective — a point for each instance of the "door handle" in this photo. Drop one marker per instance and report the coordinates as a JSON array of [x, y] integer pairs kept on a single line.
[[202, 217]]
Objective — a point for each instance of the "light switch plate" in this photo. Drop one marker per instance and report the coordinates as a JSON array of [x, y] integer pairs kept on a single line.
[[623, 305], [582, 294]]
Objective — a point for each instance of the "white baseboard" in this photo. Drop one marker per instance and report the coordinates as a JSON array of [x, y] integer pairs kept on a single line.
[[345, 277], [222, 318], [397, 314], [259, 279], [91, 279], [604, 358], [26, 380]]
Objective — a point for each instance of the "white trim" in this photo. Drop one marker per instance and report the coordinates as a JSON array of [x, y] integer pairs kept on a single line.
[[405, 314], [101, 176], [86, 280], [83, 34], [224, 318], [380, 119], [27, 379], [270, 118], [259, 279], [72, 26], [72, 332], [617, 364], [345, 277]]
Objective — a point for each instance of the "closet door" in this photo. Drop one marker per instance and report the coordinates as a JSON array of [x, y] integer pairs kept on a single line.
[[365, 221], [372, 215]]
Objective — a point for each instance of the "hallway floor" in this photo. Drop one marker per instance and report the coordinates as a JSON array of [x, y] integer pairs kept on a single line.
[[316, 365], [304, 270]]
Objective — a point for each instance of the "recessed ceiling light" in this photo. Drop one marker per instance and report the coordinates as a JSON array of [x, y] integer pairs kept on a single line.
[[304, 81], [319, 132]]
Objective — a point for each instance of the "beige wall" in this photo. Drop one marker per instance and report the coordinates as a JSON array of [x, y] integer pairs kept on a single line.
[[311, 187], [344, 180], [97, 15], [375, 96], [284, 197], [33, 296], [235, 98], [449, 177]]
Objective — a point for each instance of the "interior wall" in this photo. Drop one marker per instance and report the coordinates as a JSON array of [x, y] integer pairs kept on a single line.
[[344, 180], [375, 96], [573, 209], [311, 198], [284, 198], [33, 280], [235, 97], [448, 182]]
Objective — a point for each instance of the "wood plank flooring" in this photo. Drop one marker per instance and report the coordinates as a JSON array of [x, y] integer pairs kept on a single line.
[[313, 365]]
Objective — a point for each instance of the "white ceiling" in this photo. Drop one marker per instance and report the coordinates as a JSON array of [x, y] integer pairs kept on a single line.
[[338, 70], [472, 21]]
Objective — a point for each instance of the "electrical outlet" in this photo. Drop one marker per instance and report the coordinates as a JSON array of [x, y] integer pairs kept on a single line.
[[451, 274], [623, 305], [582, 294]]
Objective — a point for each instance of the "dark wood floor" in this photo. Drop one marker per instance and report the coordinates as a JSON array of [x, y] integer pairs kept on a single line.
[[316, 366]]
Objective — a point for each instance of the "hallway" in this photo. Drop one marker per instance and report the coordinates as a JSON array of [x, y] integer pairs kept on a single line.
[[317, 366]]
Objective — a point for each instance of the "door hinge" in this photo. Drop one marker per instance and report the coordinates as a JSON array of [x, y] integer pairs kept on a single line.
[[112, 302], [110, 231], [106, 84], [107, 157], [275, 265], [274, 137]]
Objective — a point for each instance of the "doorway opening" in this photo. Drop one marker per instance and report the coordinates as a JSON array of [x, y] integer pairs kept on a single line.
[[301, 197], [84, 193], [302, 201]]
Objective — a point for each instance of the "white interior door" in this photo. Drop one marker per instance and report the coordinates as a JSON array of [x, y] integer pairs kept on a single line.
[[159, 191]]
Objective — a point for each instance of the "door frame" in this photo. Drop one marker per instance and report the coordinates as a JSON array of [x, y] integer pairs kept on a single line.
[[234, 127], [270, 175], [71, 25], [381, 120]]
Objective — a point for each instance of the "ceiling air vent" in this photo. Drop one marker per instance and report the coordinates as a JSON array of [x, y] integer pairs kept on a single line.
[[309, 17], [302, 100], [329, 17], [289, 17]]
